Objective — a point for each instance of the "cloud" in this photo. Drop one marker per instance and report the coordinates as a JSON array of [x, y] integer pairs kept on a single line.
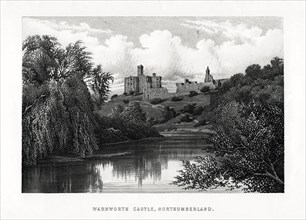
[[165, 54], [240, 32]]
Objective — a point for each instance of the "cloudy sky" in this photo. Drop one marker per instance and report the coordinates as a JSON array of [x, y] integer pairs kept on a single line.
[[173, 47]]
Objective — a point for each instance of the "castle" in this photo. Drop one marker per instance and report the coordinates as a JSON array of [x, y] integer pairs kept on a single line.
[[138, 83], [151, 86]]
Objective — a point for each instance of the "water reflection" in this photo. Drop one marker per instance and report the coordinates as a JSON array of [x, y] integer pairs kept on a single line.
[[149, 167]]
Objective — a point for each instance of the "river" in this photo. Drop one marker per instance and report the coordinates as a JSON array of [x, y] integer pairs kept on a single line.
[[148, 166]]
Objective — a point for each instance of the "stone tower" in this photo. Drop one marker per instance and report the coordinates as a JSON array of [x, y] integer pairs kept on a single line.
[[208, 77], [140, 70]]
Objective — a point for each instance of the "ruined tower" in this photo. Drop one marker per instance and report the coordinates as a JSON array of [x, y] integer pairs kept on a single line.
[[208, 77], [140, 70]]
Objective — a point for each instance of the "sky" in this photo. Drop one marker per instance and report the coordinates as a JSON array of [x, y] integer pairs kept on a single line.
[[173, 47]]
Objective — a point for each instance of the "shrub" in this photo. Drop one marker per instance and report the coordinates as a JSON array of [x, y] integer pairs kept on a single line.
[[176, 98], [150, 121], [134, 113], [168, 113], [189, 108], [114, 96], [117, 110], [156, 101], [186, 118], [132, 92], [205, 89], [126, 101], [125, 93], [198, 110], [193, 93]]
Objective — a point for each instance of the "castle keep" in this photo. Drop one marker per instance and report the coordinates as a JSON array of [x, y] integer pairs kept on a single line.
[[151, 86], [138, 83]]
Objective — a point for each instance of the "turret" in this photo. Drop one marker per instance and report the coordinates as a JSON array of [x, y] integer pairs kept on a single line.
[[208, 77], [140, 70], [207, 70]]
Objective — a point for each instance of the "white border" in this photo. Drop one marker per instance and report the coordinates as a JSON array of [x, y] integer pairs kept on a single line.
[[15, 205]]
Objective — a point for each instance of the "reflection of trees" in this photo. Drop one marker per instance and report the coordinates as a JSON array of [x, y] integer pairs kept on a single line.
[[149, 164], [146, 163], [64, 179]]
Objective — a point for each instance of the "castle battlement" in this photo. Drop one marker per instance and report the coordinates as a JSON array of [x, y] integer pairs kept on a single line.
[[138, 83], [151, 86]]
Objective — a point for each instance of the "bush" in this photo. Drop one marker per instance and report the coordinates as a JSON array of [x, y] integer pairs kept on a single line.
[[198, 110], [126, 101], [186, 118], [189, 108], [125, 93], [114, 96], [168, 114], [156, 101], [132, 92], [205, 89], [193, 93], [176, 98]]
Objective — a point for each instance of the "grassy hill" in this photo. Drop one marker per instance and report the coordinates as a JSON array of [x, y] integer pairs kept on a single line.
[[156, 110]]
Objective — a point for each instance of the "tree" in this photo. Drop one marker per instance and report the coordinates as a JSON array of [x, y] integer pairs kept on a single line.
[[236, 79], [133, 113], [167, 114], [44, 59], [253, 71], [249, 149], [57, 111], [99, 82]]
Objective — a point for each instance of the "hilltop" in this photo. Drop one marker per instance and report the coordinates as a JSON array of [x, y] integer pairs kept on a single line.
[[185, 117]]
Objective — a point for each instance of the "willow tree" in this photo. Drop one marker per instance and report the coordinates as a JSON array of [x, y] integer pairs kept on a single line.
[[57, 109]]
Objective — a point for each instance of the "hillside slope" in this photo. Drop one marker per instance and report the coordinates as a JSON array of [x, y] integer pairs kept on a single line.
[[156, 111]]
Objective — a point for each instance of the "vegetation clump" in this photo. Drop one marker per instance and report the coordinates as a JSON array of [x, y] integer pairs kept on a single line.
[[176, 98], [205, 89], [62, 89], [249, 135], [193, 93], [156, 101]]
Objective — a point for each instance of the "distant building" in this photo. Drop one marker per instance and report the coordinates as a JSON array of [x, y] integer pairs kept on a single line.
[[187, 86], [138, 83], [151, 86]]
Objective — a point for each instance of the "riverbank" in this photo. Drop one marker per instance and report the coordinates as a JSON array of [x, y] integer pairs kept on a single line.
[[203, 131]]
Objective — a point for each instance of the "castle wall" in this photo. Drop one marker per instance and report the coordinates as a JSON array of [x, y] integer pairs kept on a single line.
[[143, 82], [185, 88], [151, 86], [156, 81], [131, 84]]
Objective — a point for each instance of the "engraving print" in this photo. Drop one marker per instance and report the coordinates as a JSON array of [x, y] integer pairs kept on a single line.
[[152, 105]]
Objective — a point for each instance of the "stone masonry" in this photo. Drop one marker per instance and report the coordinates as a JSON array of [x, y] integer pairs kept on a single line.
[[151, 86]]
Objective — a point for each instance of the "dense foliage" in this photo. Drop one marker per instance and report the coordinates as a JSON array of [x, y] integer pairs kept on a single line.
[[156, 101], [61, 91], [167, 114], [205, 89], [249, 141], [130, 122], [176, 98], [193, 93]]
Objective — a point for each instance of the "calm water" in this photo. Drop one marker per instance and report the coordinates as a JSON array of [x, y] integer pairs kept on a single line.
[[149, 166]]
